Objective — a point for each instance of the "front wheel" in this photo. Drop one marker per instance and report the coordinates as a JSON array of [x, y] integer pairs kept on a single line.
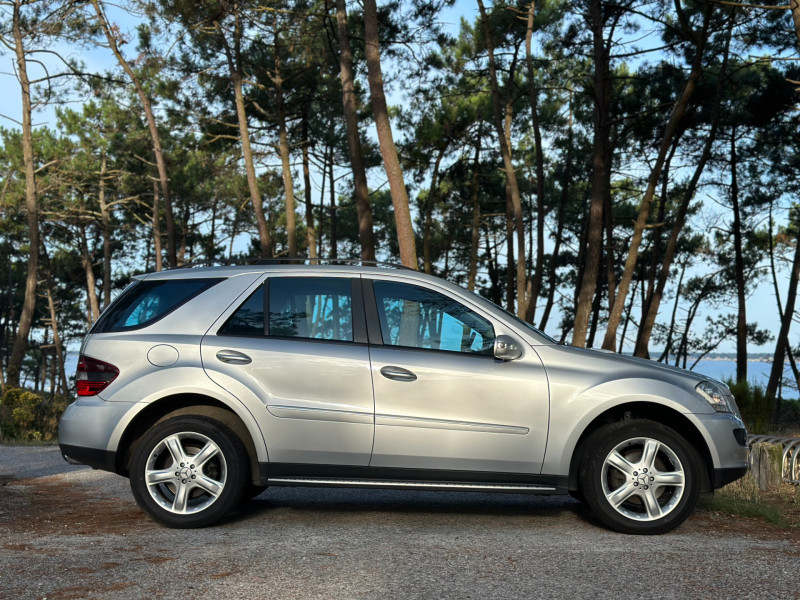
[[639, 477], [189, 471]]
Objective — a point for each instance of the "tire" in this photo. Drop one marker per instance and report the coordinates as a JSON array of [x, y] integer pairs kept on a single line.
[[253, 491], [639, 477], [578, 495], [188, 472]]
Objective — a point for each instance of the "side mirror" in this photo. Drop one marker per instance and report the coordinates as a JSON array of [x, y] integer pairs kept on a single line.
[[506, 348]]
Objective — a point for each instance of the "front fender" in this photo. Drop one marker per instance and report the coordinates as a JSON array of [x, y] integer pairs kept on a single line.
[[591, 403]]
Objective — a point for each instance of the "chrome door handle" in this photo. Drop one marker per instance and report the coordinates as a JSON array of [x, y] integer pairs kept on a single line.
[[398, 374], [233, 357]]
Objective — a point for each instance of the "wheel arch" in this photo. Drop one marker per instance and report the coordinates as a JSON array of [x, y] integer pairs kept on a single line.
[[184, 404], [654, 412]]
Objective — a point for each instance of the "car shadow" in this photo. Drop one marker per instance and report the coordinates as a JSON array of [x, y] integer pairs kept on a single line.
[[348, 501]]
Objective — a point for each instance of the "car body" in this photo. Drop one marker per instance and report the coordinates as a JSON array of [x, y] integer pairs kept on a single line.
[[205, 385]]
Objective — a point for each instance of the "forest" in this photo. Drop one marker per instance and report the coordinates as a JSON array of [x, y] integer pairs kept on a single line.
[[620, 174]]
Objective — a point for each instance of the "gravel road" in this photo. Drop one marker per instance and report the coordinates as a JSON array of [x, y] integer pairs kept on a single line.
[[70, 532]]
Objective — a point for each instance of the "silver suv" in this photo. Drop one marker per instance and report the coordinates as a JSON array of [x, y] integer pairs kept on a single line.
[[206, 385]]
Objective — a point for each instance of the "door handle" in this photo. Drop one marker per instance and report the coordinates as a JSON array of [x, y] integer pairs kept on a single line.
[[233, 357], [398, 374]]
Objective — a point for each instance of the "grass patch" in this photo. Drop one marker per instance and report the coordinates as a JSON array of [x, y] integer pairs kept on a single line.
[[743, 498]]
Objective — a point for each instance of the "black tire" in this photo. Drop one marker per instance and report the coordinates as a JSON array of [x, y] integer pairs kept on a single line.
[[198, 470], [252, 491], [578, 495], [639, 476]]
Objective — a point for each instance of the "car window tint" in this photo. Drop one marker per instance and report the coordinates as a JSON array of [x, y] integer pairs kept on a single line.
[[416, 317], [149, 301], [248, 318], [311, 307]]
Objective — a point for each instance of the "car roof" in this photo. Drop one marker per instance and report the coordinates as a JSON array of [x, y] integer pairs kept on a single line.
[[226, 271]]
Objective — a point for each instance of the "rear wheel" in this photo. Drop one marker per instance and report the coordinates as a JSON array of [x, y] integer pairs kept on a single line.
[[189, 471], [639, 476]]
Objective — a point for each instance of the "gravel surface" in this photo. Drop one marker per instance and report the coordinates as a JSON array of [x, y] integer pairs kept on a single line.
[[70, 532]]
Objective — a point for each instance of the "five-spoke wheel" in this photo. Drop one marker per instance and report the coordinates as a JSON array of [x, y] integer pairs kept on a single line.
[[188, 471], [639, 476]]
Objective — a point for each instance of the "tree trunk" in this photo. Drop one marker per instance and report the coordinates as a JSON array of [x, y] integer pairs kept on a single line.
[[105, 221], [601, 173], [334, 215], [157, 229], [31, 207], [391, 162], [474, 195], [795, 6], [51, 305], [510, 270], [511, 177], [283, 148], [88, 270], [560, 218], [671, 331], [741, 292], [172, 255], [233, 56], [430, 201], [610, 341], [311, 232], [776, 374], [653, 301], [656, 258], [349, 102], [538, 273]]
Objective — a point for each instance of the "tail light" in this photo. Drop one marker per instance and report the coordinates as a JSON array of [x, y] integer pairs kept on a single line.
[[94, 375]]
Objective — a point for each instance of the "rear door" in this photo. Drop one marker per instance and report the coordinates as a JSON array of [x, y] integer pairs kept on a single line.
[[299, 344]]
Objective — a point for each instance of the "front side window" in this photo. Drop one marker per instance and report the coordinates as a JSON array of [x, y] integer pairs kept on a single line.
[[416, 317], [148, 301], [301, 307]]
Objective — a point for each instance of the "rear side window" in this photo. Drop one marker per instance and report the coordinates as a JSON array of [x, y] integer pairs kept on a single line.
[[317, 308], [248, 318], [148, 301]]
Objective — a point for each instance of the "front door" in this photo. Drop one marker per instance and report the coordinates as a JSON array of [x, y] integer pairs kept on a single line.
[[442, 401]]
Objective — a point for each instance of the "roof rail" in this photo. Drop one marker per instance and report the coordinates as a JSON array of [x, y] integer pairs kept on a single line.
[[285, 260]]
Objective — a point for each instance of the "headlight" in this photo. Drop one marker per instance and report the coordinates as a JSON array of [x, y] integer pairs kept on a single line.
[[715, 395]]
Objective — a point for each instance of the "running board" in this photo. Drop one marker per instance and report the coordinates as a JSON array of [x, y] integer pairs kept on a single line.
[[511, 488]]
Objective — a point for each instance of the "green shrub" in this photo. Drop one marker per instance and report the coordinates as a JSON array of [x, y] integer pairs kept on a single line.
[[754, 405], [28, 416]]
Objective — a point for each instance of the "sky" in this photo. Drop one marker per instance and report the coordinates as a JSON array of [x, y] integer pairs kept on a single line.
[[761, 305]]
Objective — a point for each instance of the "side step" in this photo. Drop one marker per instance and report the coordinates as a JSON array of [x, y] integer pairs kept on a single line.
[[511, 488]]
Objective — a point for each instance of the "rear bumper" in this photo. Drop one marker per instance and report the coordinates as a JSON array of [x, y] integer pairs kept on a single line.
[[98, 459], [85, 431]]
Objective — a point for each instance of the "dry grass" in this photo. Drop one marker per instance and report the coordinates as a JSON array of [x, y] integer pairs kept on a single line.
[[743, 498]]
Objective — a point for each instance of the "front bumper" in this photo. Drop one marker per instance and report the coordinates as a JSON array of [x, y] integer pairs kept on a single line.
[[723, 477], [726, 438]]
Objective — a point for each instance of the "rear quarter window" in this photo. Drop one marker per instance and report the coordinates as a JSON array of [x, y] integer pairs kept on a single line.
[[148, 301]]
